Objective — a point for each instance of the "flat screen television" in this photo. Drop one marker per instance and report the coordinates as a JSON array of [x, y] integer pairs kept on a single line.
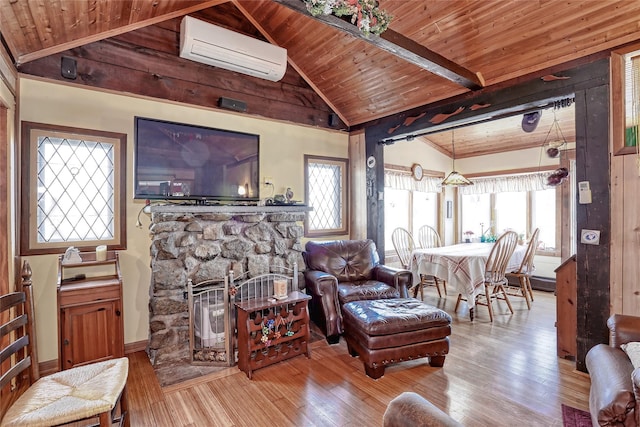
[[176, 161]]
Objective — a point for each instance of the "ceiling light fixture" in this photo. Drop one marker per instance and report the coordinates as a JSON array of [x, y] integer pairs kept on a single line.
[[455, 179]]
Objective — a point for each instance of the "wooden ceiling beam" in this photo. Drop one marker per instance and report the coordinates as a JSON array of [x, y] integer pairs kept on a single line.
[[400, 46], [114, 32]]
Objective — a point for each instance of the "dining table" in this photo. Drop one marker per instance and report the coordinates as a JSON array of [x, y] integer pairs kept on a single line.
[[461, 265]]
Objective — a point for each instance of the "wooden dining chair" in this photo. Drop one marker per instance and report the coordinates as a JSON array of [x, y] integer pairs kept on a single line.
[[524, 272], [495, 273], [90, 393], [403, 244], [428, 237]]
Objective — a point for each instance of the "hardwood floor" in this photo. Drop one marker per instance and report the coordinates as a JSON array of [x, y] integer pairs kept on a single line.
[[500, 374]]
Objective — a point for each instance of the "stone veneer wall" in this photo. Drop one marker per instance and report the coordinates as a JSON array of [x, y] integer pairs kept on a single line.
[[206, 242]]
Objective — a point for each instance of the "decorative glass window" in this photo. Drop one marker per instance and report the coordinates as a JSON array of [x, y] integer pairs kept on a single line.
[[326, 193], [72, 189]]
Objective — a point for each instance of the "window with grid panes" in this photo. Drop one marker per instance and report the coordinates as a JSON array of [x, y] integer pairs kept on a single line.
[[410, 210], [75, 185], [326, 193], [522, 212]]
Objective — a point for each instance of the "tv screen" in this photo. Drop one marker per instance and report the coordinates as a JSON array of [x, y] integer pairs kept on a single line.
[[176, 161]]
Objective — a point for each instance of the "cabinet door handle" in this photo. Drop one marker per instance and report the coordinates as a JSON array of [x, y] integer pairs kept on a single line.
[[66, 342], [117, 312]]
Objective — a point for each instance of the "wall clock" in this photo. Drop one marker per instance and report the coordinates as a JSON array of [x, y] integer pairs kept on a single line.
[[416, 170]]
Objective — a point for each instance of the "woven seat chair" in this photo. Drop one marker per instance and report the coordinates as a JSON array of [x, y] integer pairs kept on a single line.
[[495, 273], [86, 394], [524, 272]]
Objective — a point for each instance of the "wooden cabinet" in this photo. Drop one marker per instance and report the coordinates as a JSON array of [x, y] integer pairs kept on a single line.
[[272, 331], [566, 309], [90, 321]]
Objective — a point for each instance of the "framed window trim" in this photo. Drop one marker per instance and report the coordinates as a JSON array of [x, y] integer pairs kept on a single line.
[[28, 197], [344, 165], [618, 101]]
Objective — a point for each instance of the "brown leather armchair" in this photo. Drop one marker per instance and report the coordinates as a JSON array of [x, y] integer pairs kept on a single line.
[[341, 271], [614, 381]]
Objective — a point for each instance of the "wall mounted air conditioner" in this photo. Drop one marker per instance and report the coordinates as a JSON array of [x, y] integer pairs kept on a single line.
[[213, 45]]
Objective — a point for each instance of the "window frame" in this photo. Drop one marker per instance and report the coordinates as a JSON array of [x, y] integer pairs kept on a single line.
[[617, 115], [343, 163], [552, 253], [28, 202], [390, 253]]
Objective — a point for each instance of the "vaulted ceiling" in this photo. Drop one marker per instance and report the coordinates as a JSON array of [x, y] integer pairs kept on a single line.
[[132, 46]]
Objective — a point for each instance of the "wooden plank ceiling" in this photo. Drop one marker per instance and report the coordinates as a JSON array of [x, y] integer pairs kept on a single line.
[[329, 71]]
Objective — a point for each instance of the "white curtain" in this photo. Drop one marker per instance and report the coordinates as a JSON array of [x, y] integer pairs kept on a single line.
[[403, 181], [507, 183]]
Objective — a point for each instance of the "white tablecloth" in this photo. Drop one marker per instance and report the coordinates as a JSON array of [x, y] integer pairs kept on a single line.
[[462, 266]]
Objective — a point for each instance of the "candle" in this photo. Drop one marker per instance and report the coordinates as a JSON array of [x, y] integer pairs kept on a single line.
[[101, 253], [280, 287]]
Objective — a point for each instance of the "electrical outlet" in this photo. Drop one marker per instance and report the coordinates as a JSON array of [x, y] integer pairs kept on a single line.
[[268, 180]]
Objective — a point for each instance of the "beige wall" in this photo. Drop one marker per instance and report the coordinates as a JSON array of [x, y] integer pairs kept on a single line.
[[282, 148]]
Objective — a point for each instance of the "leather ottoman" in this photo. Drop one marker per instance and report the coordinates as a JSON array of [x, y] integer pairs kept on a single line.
[[387, 331]]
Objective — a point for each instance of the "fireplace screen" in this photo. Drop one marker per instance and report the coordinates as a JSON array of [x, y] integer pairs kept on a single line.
[[212, 315]]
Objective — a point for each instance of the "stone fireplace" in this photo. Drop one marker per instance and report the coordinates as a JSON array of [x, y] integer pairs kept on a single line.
[[200, 243]]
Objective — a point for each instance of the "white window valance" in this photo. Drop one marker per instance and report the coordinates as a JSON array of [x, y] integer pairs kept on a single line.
[[507, 183], [404, 181]]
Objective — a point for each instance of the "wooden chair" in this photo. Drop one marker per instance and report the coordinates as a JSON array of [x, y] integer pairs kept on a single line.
[[84, 393], [428, 237], [404, 244], [495, 273], [524, 272]]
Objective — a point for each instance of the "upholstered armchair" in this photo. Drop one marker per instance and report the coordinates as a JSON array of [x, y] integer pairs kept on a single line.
[[341, 271], [615, 381]]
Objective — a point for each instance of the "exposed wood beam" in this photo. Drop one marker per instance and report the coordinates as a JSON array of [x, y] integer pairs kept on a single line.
[[292, 63], [400, 46], [114, 32], [8, 73]]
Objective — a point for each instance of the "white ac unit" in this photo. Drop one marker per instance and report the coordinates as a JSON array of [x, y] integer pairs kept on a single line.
[[213, 45]]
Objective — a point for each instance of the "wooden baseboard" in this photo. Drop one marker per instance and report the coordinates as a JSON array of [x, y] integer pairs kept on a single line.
[[134, 347], [51, 366]]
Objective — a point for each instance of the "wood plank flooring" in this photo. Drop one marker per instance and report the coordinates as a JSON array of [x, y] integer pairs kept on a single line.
[[500, 374]]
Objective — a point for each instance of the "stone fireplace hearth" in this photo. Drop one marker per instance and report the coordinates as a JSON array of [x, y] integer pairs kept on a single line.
[[206, 242]]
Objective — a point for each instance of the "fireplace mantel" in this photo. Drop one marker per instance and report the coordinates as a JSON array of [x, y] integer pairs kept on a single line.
[[229, 209]]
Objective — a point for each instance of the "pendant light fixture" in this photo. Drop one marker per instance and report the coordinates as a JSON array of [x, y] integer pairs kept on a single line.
[[455, 179], [554, 145]]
